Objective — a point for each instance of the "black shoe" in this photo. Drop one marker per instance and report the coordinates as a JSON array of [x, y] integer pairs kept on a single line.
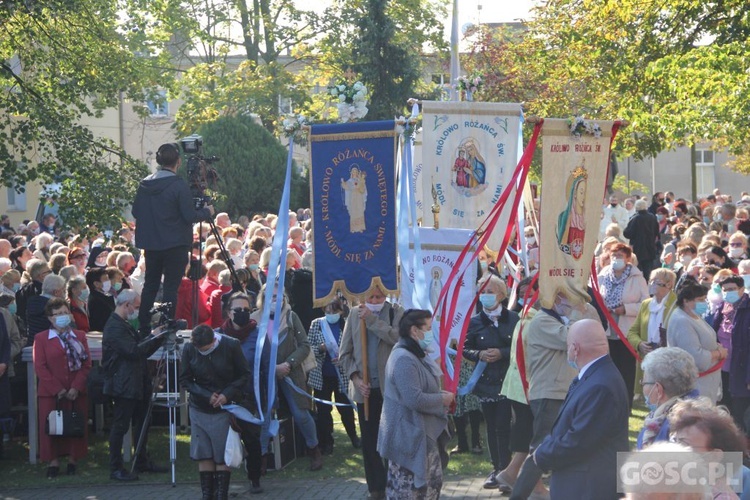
[[71, 470], [356, 443], [256, 488], [52, 471], [123, 475], [327, 449], [491, 483], [151, 467]]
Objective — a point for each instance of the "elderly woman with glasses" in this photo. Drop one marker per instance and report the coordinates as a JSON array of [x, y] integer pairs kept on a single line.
[[669, 376]]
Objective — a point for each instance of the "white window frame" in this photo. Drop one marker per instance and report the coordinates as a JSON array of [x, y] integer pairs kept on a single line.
[[159, 109], [705, 170]]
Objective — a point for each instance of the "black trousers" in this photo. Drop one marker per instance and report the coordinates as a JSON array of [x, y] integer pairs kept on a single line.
[[170, 263], [125, 411], [497, 417], [474, 418], [522, 429], [625, 363], [250, 435], [325, 418], [375, 467]]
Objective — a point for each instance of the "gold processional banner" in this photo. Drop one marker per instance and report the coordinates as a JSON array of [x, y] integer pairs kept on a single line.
[[574, 171]]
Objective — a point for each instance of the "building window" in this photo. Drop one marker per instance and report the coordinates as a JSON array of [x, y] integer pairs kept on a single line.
[[705, 164], [16, 200], [159, 106]]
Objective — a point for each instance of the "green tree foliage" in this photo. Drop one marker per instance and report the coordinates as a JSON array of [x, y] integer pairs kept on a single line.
[[621, 183], [62, 61], [389, 67], [252, 167], [677, 70], [214, 90]]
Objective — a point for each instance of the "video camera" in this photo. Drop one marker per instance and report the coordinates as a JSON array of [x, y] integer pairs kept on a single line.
[[171, 326], [200, 174]]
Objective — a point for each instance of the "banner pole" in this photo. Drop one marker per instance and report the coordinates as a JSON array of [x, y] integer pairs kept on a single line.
[[365, 368]]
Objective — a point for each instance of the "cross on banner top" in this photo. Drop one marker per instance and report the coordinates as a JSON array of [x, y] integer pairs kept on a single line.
[[349, 75]]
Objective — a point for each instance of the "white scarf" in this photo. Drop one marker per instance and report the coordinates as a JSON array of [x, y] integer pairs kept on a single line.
[[217, 339], [655, 319]]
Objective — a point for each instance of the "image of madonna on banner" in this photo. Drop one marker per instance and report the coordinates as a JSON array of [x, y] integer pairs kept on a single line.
[[574, 171], [469, 155], [353, 199]]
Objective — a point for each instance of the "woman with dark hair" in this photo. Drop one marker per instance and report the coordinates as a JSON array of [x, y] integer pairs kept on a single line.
[[215, 372], [19, 257], [688, 330], [101, 303], [414, 422], [62, 363], [718, 257], [488, 339], [327, 379]]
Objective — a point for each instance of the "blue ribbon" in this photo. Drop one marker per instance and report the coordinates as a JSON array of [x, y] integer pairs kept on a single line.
[[278, 255], [308, 395], [478, 370]]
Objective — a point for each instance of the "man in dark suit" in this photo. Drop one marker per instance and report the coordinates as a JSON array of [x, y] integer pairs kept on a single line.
[[592, 426]]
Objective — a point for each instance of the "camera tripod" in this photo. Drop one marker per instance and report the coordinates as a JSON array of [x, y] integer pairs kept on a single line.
[[167, 365]]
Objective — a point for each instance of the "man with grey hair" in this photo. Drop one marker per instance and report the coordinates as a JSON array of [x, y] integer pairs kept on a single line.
[[52, 286], [36, 271], [669, 376], [125, 355], [643, 233], [5, 263], [126, 263]]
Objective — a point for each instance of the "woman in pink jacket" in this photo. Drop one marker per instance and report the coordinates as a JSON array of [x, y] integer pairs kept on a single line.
[[623, 289]]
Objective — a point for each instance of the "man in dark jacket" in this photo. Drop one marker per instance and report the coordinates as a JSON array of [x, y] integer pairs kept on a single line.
[[164, 213], [643, 233], [124, 359]]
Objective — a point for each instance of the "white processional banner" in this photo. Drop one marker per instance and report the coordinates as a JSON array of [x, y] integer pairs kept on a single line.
[[469, 154], [440, 251]]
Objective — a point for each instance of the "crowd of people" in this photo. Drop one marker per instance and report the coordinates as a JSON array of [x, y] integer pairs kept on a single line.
[[673, 326]]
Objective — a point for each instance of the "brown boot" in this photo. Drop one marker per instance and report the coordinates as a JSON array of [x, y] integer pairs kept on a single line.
[[316, 458]]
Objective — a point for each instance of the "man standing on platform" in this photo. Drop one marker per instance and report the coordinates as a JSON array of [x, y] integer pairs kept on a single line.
[[381, 319], [165, 212]]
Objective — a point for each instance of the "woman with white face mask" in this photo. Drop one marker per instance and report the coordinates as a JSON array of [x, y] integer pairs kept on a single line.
[[623, 288], [737, 248], [100, 302], [488, 339]]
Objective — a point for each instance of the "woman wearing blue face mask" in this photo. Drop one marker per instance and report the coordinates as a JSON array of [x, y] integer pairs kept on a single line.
[[327, 379], [732, 324], [689, 331], [669, 376], [414, 422], [489, 338]]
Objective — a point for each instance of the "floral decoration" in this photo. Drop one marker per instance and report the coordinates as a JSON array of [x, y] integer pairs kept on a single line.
[[580, 126], [351, 100]]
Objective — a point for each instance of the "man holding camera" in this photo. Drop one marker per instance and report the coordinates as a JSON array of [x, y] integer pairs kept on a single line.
[[126, 379], [165, 212]]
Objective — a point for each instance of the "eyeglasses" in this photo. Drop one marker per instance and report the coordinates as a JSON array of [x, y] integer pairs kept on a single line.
[[241, 309], [663, 285], [643, 383], [736, 245]]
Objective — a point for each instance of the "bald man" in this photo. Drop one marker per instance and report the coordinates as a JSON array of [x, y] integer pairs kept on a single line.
[[5, 248], [592, 426]]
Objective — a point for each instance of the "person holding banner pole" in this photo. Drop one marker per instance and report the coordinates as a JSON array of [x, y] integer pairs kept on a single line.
[[373, 348], [489, 339], [326, 378]]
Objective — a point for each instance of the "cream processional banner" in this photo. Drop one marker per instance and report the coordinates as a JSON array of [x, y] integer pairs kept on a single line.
[[574, 171], [469, 154]]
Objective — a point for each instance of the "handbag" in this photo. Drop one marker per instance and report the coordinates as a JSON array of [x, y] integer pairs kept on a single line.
[[65, 423], [309, 363], [233, 451]]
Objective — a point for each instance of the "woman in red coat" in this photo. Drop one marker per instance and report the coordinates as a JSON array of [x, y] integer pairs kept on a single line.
[[62, 363]]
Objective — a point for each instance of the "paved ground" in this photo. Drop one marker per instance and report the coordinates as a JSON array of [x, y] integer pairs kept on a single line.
[[454, 487]]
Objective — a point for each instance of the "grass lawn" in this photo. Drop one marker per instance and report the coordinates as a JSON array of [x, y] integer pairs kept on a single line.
[[345, 462]]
